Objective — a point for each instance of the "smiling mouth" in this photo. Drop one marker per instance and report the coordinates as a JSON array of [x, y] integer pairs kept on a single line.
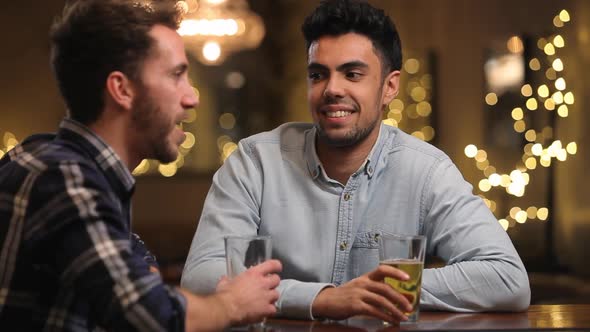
[[338, 114]]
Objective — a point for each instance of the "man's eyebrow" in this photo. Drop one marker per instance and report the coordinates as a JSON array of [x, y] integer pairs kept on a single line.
[[181, 67], [351, 65], [316, 66]]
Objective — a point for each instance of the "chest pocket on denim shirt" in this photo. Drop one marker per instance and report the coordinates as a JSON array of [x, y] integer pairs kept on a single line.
[[364, 253]]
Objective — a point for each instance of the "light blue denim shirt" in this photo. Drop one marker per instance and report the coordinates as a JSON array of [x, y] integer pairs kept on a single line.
[[325, 233]]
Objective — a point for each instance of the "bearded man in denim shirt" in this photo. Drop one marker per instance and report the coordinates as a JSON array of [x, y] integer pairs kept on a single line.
[[325, 192]]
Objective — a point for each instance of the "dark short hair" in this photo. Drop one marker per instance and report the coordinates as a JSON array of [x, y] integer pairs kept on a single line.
[[338, 17], [93, 38]]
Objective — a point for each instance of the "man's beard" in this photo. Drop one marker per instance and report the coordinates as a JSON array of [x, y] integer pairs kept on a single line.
[[352, 137], [150, 123]]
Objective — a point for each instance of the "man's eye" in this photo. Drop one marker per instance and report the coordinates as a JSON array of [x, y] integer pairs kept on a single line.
[[354, 75], [314, 76]]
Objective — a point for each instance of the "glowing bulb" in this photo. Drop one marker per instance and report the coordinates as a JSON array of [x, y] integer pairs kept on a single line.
[[557, 65], [560, 84], [211, 51], [470, 151]]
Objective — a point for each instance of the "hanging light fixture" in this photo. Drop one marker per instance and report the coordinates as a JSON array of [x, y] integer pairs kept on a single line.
[[213, 29]]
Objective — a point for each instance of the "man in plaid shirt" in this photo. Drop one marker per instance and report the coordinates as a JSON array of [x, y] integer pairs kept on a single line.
[[68, 258]]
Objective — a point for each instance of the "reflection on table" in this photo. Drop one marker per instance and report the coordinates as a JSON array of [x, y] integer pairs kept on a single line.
[[575, 317]]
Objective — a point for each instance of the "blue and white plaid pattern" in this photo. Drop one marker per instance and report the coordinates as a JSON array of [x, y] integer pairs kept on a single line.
[[68, 259]]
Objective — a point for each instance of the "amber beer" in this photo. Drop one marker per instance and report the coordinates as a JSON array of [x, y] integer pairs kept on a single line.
[[410, 288]]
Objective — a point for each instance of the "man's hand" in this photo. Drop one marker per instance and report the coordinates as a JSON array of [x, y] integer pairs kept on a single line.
[[365, 295], [250, 296]]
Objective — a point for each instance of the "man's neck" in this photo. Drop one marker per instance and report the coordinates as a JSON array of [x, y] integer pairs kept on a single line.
[[114, 134], [341, 162]]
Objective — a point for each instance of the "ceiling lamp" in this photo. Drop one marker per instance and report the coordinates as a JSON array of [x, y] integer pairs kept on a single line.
[[213, 29]]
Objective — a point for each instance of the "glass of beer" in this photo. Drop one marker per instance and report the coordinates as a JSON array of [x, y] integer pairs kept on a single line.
[[405, 252], [243, 252]]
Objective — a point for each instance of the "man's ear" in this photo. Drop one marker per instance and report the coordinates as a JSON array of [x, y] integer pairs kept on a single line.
[[390, 87], [120, 89]]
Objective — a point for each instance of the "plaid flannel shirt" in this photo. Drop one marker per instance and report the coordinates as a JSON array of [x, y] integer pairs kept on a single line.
[[68, 259]]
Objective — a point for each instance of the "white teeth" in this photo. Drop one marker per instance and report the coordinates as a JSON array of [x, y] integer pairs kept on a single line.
[[338, 114]]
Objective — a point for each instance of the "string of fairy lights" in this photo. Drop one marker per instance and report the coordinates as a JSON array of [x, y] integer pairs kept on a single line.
[[411, 110], [541, 148]]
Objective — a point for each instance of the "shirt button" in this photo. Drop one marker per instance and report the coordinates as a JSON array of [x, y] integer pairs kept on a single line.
[[347, 197], [343, 245], [370, 169]]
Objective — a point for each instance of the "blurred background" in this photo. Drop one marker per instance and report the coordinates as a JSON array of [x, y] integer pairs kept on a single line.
[[500, 86]]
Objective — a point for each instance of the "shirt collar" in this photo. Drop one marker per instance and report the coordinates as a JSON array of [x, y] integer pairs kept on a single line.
[[104, 155], [370, 165]]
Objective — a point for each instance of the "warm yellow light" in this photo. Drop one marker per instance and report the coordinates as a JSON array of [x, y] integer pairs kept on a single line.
[[560, 84], [545, 160], [534, 64], [521, 217], [191, 115], [528, 148], [428, 132], [514, 211], [423, 108], [1, 153], [505, 180], [394, 115], [530, 135], [189, 140], [390, 122], [228, 148], [515, 189], [564, 16], [514, 45], [537, 149], [412, 66], [211, 51], [563, 111], [227, 121], [142, 168], [569, 98], [168, 170], [558, 97], [471, 151], [495, 179], [504, 223], [526, 90], [551, 74], [557, 22], [489, 171], [531, 104], [481, 165], [543, 213], [519, 126], [205, 27], [481, 155], [396, 105], [517, 113], [561, 155], [558, 41], [531, 163], [222, 140], [531, 212], [419, 135], [12, 142], [543, 91], [549, 104], [484, 185], [491, 99], [572, 148], [418, 94], [557, 65], [541, 43], [549, 49]]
